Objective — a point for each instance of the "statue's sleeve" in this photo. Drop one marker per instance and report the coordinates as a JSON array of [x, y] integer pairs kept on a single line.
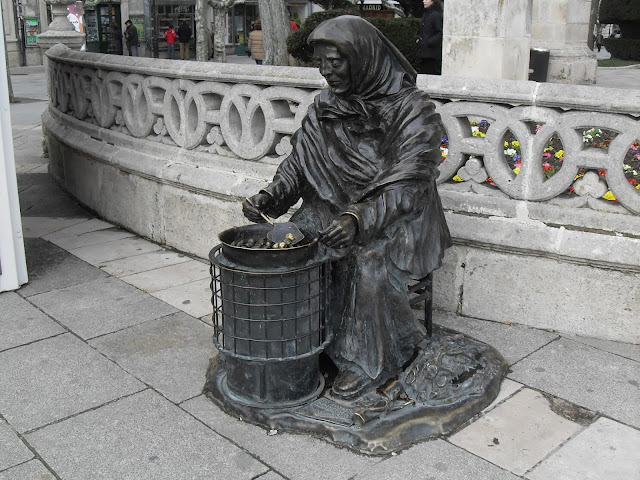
[[284, 189], [394, 203]]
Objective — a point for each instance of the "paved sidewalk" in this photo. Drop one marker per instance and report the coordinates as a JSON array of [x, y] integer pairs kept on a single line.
[[103, 355]]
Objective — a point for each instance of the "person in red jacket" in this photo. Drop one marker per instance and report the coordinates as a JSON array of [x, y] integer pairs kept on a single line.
[[170, 36]]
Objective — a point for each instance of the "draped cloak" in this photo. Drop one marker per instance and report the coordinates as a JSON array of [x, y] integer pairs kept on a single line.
[[373, 154]]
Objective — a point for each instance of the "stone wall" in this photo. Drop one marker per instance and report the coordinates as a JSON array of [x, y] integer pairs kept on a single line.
[[169, 150]]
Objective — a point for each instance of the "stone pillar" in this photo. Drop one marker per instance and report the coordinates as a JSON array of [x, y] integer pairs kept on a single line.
[[8, 19], [562, 26], [487, 39], [60, 30]]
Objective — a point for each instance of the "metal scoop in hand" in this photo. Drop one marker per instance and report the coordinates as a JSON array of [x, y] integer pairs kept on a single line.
[[286, 232]]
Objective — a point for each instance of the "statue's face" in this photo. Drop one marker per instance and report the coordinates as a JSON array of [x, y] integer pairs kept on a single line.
[[334, 67]]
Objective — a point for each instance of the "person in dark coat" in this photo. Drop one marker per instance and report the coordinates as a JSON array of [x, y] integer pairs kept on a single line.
[[131, 36], [184, 38], [365, 163], [430, 38]]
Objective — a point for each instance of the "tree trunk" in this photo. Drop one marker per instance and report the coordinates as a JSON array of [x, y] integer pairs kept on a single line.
[[275, 30], [220, 10], [202, 32]]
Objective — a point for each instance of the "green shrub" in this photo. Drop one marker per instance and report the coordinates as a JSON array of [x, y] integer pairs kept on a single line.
[[402, 32], [625, 14], [297, 42], [623, 48]]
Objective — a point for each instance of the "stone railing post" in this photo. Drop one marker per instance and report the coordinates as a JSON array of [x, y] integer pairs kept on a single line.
[[562, 26], [490, 39]]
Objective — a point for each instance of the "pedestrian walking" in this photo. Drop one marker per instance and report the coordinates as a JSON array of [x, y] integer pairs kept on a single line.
[[255, 43], [184, 37], [170, 36], [131, 36], [430, 38]]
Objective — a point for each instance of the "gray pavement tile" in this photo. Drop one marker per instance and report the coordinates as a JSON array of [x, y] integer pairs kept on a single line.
[[170, 354], [193, 298], [91, 225], [24, 113], [22, 323], [99, 254], [604, 450], [294, 456], [140, 437], [54, 378], [586, 376], [101, 306], [92, 238], [33, 470], [167, 277], [48, 201], [52, 268], [12, 450], [208, 319], [507, 389], [144, 262], [628, 350], [28, 167], [436, 460], [271, 475], [33, 227], [517, 434], [514, 342]]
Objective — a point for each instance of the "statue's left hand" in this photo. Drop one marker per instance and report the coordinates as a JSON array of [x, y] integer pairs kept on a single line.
[[340, 233]]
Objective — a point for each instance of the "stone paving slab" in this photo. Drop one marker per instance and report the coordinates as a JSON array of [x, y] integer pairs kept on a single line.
[[171, 354], [104, 252], [294, 456], [193, 298], [99, 307], [605, 450], [12, 450], [22, 323], [628, 350], [140, 437], [435, 460], [48, 201], [270, 476], [144, 262], [33, 227], [33, 470], [517, 434], [167, 277], [514, 342], [586, 376], [52, 268], [92, 238], [49, 380], [507, 389], [91, 225]]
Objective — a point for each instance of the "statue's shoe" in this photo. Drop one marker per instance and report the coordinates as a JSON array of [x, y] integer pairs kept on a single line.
[[350, 384]]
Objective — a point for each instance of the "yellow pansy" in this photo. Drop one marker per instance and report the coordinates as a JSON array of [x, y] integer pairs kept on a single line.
[[609, 196]]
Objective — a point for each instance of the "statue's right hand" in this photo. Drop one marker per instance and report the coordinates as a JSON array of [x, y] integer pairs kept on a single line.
[[253, 206]]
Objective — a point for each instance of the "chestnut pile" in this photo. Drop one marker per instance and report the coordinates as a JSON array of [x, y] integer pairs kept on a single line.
[[263, 242]]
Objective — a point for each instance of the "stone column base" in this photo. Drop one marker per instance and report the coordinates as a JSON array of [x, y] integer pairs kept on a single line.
[[70, 38], [572, 64]]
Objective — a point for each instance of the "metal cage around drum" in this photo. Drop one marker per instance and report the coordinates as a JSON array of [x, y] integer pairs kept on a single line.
[[273, 315]]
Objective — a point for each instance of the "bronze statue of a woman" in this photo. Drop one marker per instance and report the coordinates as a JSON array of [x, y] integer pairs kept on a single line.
[[364, 163]]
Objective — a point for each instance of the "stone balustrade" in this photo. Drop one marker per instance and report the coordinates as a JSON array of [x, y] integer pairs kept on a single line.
[[168, 148]]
